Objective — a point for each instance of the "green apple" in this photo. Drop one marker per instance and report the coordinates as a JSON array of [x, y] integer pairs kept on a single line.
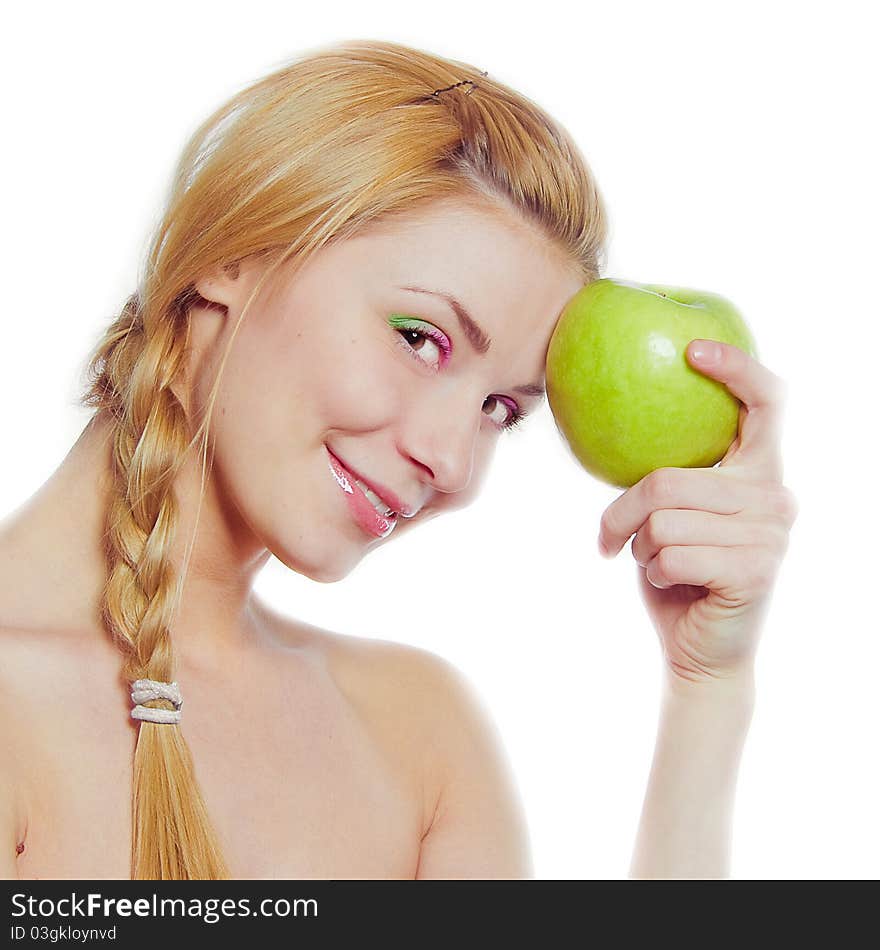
[[622, 393]]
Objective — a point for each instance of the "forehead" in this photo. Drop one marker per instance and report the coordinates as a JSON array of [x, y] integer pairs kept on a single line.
[[495, 262], [465, 233]]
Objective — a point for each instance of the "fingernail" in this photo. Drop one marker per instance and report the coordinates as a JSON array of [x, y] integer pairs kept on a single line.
[[706, 352]]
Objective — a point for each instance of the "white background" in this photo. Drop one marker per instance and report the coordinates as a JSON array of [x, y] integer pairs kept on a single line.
[[734, 145]]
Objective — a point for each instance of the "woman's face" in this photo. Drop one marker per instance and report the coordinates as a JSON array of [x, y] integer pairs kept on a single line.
[[360, 361]]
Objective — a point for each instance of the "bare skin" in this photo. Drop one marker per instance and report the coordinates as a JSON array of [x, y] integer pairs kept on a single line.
[[319, 754]]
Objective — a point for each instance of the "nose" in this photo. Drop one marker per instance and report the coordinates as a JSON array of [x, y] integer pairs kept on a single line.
[[441, 436]]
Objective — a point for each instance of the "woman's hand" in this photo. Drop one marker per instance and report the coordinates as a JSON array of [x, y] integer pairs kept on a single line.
[[709, 541]]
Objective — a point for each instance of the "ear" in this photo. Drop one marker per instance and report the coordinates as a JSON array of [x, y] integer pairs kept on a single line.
[[222, 285]]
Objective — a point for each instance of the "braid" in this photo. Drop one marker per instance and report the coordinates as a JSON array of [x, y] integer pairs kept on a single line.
[[172, 837]]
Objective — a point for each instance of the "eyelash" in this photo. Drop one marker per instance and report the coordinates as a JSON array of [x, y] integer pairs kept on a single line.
[[408, 325]]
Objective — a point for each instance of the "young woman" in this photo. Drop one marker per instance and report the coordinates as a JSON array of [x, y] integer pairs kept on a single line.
[[350, 295]]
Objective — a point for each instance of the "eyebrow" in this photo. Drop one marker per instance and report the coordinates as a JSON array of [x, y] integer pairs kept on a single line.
[[479, 340]]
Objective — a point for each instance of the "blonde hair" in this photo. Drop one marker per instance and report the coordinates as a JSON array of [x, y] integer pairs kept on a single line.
[[337, 138]]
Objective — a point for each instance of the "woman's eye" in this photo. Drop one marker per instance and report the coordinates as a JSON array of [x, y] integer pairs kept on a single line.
[[501, 412], [424, 342]]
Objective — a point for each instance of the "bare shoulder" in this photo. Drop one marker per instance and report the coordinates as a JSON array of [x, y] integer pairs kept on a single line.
[[430, 712], [375, 671], [475, 823], [417, 690], [383, 668]]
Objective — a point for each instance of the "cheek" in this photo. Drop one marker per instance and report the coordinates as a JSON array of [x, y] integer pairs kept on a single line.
[[345, 380], [350, 379], [282, 382]]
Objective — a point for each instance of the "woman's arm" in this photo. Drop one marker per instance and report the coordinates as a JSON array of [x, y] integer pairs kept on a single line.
[[687, 816], [8, 827], [12, 815], [471, 820], [479, 828], [708, 543]]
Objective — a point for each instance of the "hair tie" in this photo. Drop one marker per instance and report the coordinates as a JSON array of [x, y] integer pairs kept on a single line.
[[145, 690]]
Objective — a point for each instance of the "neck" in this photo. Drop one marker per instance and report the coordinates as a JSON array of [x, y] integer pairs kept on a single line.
[[52, 556]]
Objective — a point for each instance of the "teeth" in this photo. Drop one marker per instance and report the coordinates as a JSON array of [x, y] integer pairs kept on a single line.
[[375, 500]]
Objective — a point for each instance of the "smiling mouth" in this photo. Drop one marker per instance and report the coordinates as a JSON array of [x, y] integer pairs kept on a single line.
[[370, 515], [380, 506], [345, 477], [381, 498]]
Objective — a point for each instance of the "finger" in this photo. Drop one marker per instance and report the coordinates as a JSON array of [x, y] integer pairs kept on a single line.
[[738, 574], [680, 526], [748, 379], [762, 393], [698, 488]]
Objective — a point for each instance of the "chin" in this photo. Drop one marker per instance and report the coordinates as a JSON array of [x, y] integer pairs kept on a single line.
[[329, 576], [321, 573], [330, 561]]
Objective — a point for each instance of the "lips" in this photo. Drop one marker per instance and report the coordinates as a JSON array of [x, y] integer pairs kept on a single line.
[[388, 497], [359, 506]]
